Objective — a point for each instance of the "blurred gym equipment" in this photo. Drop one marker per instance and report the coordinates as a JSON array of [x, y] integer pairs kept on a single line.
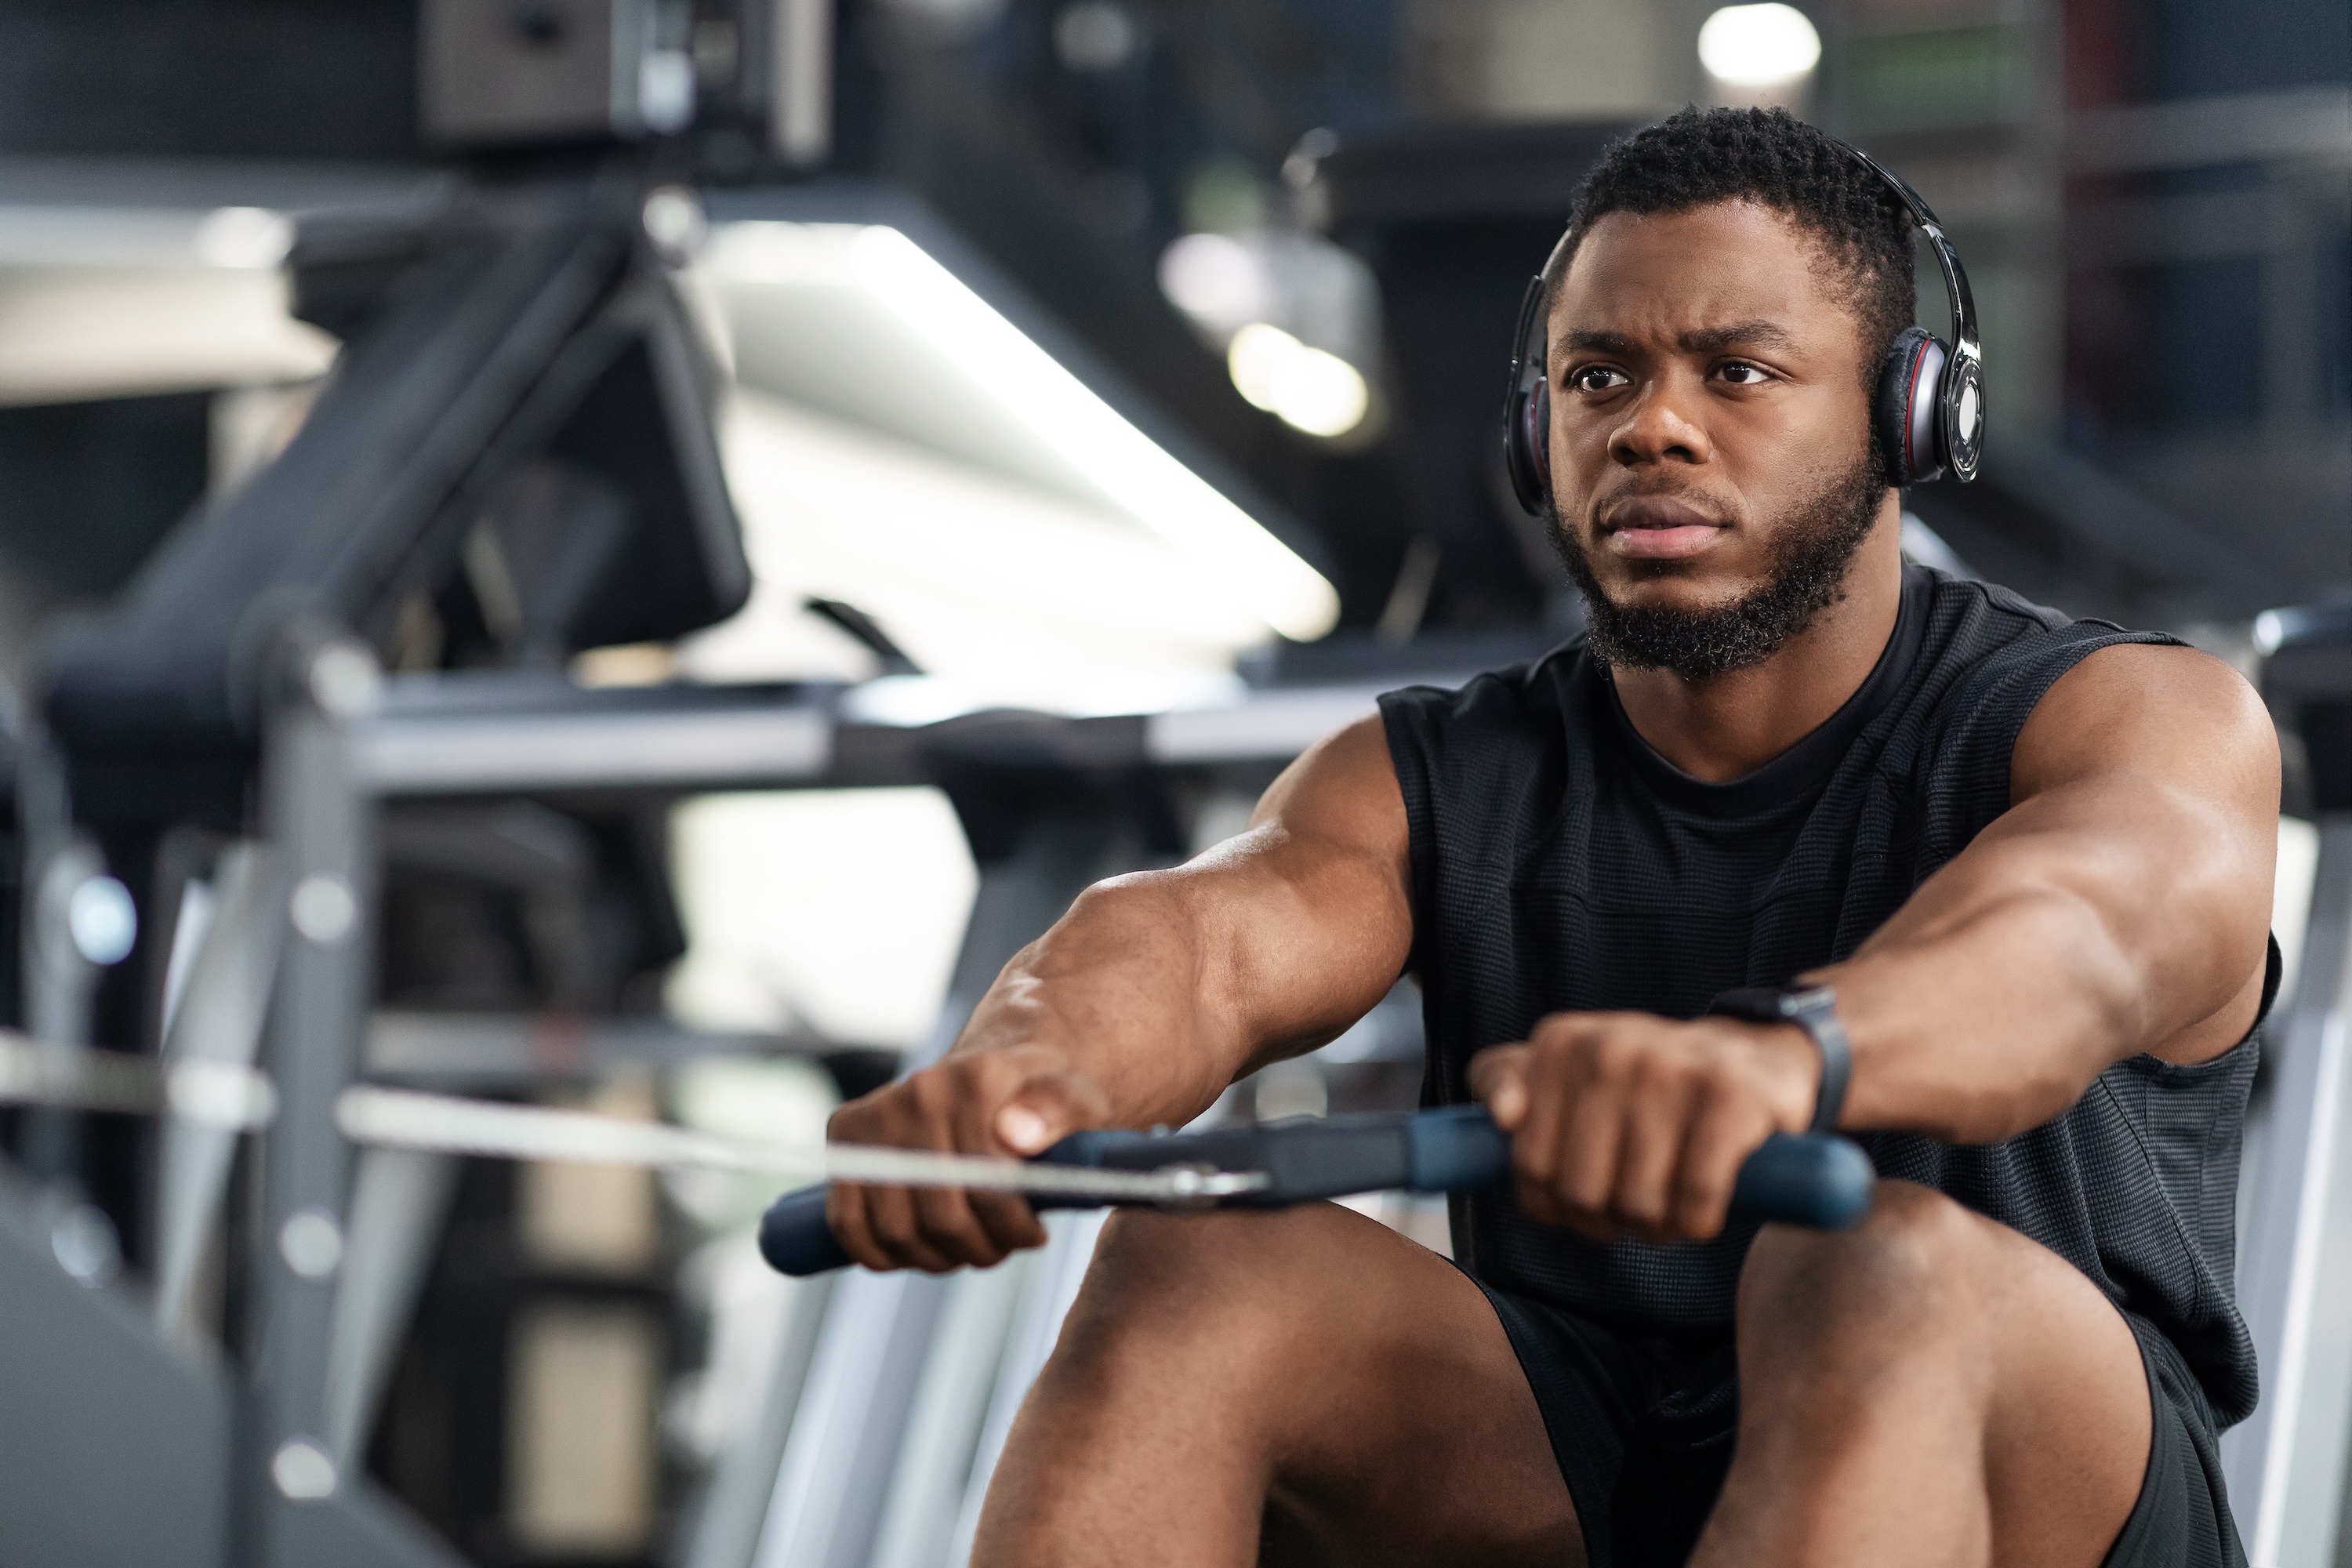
[[275, 873]]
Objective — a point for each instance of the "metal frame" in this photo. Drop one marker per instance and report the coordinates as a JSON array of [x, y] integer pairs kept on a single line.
[[2285, 1465], [297, 1504], [931, 1370], [237, 638]]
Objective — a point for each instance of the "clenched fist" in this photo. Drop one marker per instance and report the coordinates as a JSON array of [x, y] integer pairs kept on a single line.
[[1629, 1124], [1017, 1101]]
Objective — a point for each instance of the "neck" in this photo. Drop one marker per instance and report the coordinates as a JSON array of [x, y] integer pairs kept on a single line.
[[1726, 726]]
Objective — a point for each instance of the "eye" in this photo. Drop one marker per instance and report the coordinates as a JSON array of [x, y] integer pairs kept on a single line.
[[1739, 372], [1598, 378]]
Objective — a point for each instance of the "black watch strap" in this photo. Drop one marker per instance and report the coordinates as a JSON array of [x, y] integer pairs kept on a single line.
[[1812, 1009]]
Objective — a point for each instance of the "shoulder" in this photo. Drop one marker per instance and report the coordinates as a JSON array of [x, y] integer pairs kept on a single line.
[[1472, 761], [1530, 698], [1992, 655], [1976, 620], [2124, 706]]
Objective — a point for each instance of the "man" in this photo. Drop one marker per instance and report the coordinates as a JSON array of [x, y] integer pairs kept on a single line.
[[2030, 860]]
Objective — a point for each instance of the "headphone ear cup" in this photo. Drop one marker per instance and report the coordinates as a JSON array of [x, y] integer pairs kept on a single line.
[[1527, 446], [1527, 408], [1540, 442], [1906, 413]]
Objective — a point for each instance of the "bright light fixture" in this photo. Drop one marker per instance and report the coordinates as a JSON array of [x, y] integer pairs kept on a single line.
[[1065, 414], [244, 238], [1304, 388], [1216, 279], [1759, 45]]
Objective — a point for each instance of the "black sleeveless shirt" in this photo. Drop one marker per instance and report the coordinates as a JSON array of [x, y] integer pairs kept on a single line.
[[1561, 864]]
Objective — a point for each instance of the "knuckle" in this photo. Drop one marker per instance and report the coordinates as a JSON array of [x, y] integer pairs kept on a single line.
[[1614, 1056], [934, 1091]]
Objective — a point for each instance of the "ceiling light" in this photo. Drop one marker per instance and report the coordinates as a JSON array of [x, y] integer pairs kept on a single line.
[[1215, 279], [1304, 388], [1758, 46], [1093, 437]]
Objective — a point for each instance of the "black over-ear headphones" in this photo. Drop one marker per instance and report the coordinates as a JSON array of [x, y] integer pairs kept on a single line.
[[1928, 412]]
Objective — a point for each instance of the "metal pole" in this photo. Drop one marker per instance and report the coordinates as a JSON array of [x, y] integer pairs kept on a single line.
[[300, 1505], [2285, 1464]]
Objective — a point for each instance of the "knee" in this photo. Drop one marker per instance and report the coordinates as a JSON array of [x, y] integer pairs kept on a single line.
[[1159, 1283], [1911, 1261]]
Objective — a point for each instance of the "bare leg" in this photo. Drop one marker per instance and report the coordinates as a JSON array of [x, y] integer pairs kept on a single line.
[[1308, 1371], [1929, 1388]]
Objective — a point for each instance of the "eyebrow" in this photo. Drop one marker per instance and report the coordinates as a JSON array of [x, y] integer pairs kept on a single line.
[[1702, 339], [1714, 340], [1581, 339]]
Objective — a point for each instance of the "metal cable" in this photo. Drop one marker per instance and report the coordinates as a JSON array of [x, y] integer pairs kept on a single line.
[[216, 1094], [404, 1119]]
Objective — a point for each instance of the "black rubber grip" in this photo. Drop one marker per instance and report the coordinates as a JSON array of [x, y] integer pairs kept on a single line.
[[1811, 1179]]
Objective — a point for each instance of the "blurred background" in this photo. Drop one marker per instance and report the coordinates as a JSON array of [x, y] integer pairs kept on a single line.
[[1100, 361]]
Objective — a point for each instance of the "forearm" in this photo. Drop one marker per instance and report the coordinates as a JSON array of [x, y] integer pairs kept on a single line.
[[1165, 987], [1973, 1036], [1130, 986], [2015, 976]]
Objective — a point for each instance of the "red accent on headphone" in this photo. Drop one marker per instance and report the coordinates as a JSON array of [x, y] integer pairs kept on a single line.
[[1910, 407]]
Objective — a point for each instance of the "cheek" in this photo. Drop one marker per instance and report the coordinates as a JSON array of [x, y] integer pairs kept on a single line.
[[1778, 450], [1579, 457]]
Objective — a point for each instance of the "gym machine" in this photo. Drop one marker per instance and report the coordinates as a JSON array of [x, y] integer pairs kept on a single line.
[[518, 383], [2287, 1463]]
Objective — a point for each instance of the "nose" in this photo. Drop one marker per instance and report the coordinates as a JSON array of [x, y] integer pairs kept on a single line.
[[1661, 428]]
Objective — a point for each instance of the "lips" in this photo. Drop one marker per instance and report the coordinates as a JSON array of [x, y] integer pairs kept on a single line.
[[1659, 527]]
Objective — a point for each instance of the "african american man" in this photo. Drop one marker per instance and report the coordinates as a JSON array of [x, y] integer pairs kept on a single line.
[[2030, 858]]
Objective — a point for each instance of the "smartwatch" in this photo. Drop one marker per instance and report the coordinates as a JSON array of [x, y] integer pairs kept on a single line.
[[1812, 1009]]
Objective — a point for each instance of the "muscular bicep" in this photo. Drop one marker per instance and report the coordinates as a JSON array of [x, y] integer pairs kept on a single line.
[[2141, 836], [1311, 908]]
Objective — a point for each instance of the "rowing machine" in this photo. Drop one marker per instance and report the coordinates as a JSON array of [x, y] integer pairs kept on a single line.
[[1822, 1182]]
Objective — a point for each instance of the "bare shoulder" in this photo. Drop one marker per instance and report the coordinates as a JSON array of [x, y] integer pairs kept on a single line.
[[1343, 787], [1321, 885], [2151, 708]]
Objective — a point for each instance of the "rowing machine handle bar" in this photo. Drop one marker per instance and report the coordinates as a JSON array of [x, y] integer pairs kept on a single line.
[[1822, 1182]]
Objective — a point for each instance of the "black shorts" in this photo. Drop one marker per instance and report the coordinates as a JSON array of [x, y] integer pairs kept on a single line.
[[1642, 1428]]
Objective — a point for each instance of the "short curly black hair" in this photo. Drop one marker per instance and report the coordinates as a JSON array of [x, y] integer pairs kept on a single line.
[[1699, 156]]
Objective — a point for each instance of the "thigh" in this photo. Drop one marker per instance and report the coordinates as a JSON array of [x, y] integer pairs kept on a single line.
[[2070, 1420], [2182, 1519], [1363, 1384], [1934, 1375]]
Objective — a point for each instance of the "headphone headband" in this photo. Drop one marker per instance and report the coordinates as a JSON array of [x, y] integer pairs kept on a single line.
[[1964, 369]]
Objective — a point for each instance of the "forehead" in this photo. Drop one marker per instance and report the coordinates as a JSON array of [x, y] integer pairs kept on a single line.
[[1644, 273]]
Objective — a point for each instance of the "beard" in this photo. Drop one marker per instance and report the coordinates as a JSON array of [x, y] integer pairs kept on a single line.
[[1814, 545]]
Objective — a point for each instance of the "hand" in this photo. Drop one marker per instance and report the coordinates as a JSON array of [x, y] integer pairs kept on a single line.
[[1018, 1100], [1628, 1124]]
